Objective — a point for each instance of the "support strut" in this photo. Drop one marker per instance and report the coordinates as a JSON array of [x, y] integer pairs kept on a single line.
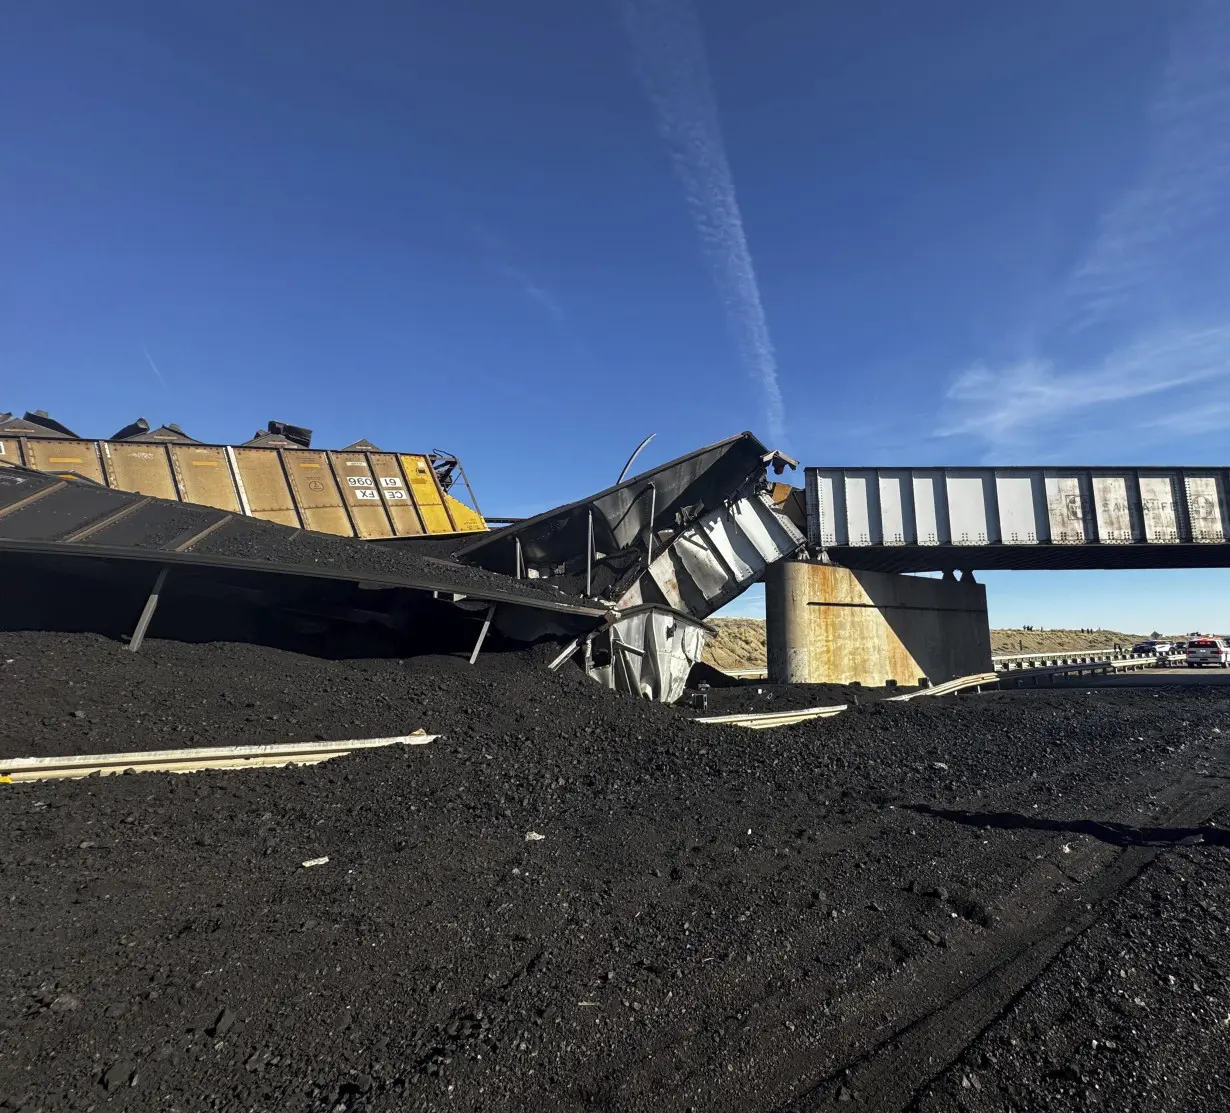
[[147, 614], [482, 634]]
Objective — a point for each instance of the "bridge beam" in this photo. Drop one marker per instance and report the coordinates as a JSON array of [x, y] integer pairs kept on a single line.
[[832, 625]]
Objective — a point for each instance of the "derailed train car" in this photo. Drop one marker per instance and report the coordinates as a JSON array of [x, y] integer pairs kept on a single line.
[[358, 491], [621, 581]]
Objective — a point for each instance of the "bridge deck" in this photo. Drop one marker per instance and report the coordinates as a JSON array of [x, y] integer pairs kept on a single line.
[[931, 519]]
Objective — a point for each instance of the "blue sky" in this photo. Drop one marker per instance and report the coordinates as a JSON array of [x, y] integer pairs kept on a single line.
[[874, 232]]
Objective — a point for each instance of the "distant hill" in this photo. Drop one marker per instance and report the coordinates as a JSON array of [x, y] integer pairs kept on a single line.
[[1057, 641], [740, 643]]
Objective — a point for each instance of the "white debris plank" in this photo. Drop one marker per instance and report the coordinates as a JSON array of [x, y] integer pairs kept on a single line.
[[759, 721], [17, 769]]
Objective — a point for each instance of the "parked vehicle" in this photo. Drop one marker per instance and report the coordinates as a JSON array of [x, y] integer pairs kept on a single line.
[[1208, 651], [1144, 647]]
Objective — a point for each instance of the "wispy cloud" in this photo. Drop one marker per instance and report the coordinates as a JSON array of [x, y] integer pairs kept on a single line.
[[495, 255], [1011, 405], [1144, 241], [153, 366], [669, 54], [1136, 295], [536, 293], [1194, 421]]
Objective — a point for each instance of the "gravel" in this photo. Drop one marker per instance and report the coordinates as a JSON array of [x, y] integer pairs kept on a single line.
[[712, 919]]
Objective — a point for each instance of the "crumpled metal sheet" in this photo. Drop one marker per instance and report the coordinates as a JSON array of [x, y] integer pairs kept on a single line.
[[717, 558], [651, 652]]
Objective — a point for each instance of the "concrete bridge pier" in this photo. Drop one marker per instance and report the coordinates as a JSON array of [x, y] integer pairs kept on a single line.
[[832, 625]]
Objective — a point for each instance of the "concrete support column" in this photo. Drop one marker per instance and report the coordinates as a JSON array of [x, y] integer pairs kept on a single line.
[[786, 622], [831, 625]]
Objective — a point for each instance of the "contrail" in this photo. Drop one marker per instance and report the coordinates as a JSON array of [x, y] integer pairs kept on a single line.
[[1168, 226], [669, 54], [154, 366]]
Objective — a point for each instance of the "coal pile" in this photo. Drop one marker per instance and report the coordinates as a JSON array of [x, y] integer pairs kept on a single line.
[[1136, 1009], [575, 900], [70, 693]]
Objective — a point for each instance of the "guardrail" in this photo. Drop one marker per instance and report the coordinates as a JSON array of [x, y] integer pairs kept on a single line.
[[1009, 662], [1151, 662], [1017, 677]]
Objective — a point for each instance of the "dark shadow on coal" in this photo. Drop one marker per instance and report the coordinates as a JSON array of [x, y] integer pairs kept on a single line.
[[1116, 834], [317, 618]]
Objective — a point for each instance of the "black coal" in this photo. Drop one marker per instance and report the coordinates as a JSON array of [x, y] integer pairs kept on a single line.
[[713, 919]]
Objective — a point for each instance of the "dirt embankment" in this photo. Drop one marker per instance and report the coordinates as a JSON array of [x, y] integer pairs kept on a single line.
[[1059, 641], [740, 643]]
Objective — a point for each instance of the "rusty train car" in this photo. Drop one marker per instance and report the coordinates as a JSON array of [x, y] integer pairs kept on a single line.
[[358, 491]]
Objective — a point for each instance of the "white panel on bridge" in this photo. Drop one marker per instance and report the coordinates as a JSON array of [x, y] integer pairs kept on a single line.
[[896, 508], [830, 502], [930, 518], [1065, 508], [967, 509], [860, 520], [1206, 507], [1114, 508], [1018, 510], [1159, 510]]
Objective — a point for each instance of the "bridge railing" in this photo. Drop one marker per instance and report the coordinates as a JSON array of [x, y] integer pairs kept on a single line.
[[1008, 662], [1048, 674]]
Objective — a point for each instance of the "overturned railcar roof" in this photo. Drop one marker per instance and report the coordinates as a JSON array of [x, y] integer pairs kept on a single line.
[[622, 513], [690, 534]]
